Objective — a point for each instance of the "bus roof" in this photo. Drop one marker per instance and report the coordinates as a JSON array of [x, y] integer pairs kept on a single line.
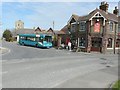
[[34, 35]]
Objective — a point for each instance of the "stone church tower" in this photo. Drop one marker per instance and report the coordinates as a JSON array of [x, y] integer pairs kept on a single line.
[[19, 25]]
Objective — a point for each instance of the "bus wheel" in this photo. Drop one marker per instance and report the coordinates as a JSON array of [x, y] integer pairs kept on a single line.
[[36, 45]]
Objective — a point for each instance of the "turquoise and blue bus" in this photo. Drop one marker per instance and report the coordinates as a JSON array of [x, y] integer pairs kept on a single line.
[[36, 40]]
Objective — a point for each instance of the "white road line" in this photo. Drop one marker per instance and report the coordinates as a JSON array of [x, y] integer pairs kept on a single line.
[[1, 73], [2, 61], [4, 72], [7, 52], [14, 62]]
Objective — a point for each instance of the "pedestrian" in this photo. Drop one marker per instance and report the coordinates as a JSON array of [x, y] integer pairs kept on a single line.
[[69, 45], [63, 46]]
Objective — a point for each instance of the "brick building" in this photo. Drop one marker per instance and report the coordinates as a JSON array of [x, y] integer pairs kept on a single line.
[[96, 31]]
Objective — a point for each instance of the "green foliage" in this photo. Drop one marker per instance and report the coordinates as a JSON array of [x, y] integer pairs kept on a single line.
[[7, 35], [55, 38], [116, 86]]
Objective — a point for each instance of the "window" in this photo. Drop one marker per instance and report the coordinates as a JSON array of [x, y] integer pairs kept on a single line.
[[73, 27], [37, 39], [22, 38], [82, 26], [111, 26], [82, 41], [109, 43], [96, 15], [31, 38], [48, 38]]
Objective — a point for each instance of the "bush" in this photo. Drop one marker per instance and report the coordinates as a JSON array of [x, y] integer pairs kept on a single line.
[[116, 85], [7, 35], [11, 39]]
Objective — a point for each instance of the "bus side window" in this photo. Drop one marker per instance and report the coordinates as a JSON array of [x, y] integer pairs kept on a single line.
[[37, 39], [41, 39], [22, 38]]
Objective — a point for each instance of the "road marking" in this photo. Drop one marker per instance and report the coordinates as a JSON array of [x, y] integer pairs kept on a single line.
[[7, 52], [14, 62], [4, 72], [1, 73], [2, 61]]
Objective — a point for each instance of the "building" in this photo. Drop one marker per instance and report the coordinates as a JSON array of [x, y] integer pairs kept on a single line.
[[96, 31], [19, 25], [65, 33]]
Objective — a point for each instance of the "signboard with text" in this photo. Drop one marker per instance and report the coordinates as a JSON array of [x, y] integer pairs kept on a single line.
[[97, 27]]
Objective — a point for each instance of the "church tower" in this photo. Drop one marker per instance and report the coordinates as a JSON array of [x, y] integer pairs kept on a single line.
[[19, 25]]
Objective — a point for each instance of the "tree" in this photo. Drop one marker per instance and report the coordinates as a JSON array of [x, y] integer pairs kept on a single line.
[[7, 35], [55, 40]]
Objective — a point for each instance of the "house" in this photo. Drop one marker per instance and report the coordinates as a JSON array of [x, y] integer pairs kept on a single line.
[[96, 31], [66, 30]]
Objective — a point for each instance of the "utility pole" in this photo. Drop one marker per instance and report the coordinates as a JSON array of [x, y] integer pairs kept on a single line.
[[54, 36], [53, 24]]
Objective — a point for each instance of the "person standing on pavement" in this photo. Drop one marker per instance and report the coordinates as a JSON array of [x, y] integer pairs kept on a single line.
[[69, 45]]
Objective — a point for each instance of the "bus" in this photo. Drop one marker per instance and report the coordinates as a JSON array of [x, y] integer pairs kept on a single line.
[[36, 40]]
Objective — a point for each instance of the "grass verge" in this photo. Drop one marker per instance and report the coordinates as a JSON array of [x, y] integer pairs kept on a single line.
[[116, 86]]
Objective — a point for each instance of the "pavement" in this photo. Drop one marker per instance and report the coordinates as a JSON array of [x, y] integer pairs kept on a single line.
[[101, 79], [29, 67]]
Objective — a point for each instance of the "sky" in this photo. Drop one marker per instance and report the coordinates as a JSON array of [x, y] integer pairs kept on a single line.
[[42, 14]]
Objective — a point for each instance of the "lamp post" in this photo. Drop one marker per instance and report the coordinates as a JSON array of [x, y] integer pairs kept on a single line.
[[115, 39], [77, 34]]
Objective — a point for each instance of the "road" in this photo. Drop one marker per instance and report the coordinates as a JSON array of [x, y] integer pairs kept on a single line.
[[29, 67], [23, 52]]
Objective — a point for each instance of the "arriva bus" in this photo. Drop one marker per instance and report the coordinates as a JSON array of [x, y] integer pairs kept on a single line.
[[36, 40]]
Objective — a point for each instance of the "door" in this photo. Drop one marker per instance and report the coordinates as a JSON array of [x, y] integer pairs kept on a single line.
[[96, 44]]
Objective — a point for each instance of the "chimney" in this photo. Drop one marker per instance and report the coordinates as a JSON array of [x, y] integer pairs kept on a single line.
[[104, 6], [116, 11]]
